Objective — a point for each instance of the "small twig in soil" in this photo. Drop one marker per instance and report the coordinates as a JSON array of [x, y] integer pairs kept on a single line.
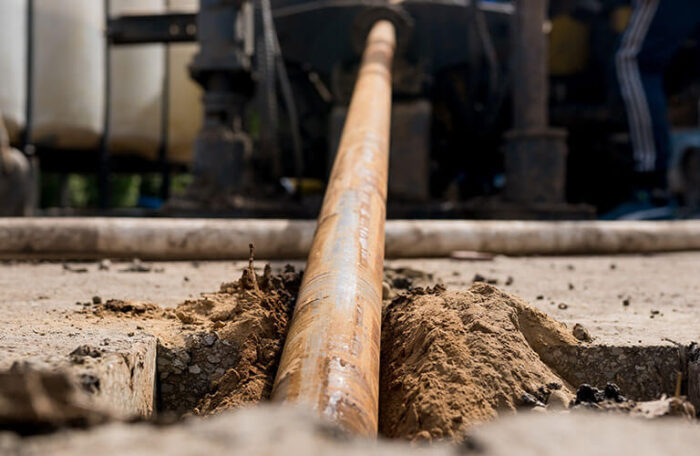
[[249, 280]]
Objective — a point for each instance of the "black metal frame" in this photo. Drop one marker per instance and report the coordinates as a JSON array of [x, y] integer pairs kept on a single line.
[[103, 170], [154, 28]]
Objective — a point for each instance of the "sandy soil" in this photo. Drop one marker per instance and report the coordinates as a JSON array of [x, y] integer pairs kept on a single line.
[[453, 359], [49, 310]]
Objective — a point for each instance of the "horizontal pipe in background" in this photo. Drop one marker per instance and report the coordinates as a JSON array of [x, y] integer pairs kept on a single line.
[[228, 239]]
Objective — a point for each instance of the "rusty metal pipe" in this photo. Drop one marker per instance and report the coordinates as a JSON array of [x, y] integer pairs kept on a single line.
[[330, 361]]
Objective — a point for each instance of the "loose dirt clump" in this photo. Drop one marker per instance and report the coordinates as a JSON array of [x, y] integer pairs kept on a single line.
[[232, 344], [34, 401], [219, 351], [451, 359]]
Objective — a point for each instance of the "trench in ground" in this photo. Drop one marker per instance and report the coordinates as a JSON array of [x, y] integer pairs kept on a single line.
[[642, 372], [449, 358], [231, 360]]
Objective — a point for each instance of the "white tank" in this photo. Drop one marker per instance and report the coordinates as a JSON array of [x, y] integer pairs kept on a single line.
[[13, 64], [185, 96], [136, 88], [69, 73]]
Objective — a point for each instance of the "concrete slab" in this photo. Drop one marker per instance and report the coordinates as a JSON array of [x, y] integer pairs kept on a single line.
[[41, 329]]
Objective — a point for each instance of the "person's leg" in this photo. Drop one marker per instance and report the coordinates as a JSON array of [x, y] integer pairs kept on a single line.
[[631, 87], [656, 160], [656, 30], [674, 22]]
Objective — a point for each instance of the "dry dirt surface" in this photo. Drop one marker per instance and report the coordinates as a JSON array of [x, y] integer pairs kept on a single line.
[[453, 356], [451, 359]]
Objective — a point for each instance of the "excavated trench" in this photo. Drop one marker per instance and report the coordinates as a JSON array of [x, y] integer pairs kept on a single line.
[[449, 359]]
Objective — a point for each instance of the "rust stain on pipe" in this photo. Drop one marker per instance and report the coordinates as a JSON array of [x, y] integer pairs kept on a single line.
[[330, 361]]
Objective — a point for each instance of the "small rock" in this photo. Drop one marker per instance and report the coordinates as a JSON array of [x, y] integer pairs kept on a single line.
[[186, 279], [626, 302], [387, 292], [79, 354], [96, 300], [563, 306], [558, 400], [185, 318], [213, 359], [539, 297], [581, 333], [209, 339], [480, 278], [571, 286], [90, 383], [195, 369], [542, 394], [509, 281], [588, 393], [71, 268], [529, 400], [613, 266], [613, 393], [137, 265], [105, 265], [422, 436], [402, 283]]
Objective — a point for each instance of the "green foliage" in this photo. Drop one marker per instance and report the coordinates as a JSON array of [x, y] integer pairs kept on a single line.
[[80, 191], [179, 183]]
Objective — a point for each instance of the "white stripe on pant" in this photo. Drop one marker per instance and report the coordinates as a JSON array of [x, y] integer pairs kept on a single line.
[[639, 116]]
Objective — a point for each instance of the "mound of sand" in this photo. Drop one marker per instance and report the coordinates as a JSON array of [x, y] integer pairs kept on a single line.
[[451, 359], [220, 351], [256, 327]]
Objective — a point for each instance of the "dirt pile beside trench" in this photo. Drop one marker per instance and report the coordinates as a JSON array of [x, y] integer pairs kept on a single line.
[[220, 351], [451, 359]]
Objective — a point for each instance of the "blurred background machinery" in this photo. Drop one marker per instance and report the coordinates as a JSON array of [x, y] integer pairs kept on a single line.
[[234, 107]]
